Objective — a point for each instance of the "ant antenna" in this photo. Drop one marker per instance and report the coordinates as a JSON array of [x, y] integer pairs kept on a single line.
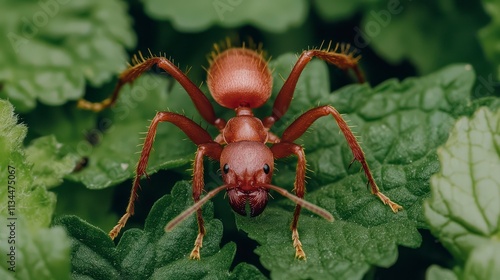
[[308, 205], [182, 216]]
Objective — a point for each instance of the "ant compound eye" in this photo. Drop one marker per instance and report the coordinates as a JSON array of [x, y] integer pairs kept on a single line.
[[225, 168], [266, 168]]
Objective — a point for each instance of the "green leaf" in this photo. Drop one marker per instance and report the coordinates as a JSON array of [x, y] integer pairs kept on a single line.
[[195, 15], [246, 271], [26, 206], [32, 200], [463, 210], [67, 123], [40, 254], [423, 33], [74, 199], [435, 272], [483, 262], [120, 132], [401, 125], [338, 10], [151, 253], [50, 163], [53, 47], [489, 35]]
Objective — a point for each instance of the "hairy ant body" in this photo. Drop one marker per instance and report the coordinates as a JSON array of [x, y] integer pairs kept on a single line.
[[240, 79]]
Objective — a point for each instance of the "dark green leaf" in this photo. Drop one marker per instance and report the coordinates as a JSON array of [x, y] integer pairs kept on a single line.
[[401, 125], [122, 129], [489, 35], [68, 124], [74, 199], [245, 271], [151, 253]]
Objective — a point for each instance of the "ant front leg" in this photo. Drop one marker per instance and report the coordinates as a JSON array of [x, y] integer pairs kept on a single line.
[[142, 65], [195, 132], [212, 150], [299, 126], [282, 150]]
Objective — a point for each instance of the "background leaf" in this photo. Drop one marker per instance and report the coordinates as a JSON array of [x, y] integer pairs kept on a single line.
[[26, 206], [193, 15], [488, 35], [52, 47], [424, 32], [32, 200], [336, 10]]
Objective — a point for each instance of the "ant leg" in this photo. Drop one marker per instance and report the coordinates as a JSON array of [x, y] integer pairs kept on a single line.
[[301, 124], [142, 65], [344, 60], [195, 132], [214, 151], [281, 150]]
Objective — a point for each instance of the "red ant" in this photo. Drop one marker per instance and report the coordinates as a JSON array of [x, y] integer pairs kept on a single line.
[[240, 79]]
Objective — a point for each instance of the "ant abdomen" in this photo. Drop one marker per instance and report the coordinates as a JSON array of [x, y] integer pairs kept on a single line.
[[239, 77]]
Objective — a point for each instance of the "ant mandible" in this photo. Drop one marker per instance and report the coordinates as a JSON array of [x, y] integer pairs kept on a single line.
[[240, 79]]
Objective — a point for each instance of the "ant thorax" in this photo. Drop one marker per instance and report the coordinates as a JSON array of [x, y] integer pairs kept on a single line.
[[244, 127]]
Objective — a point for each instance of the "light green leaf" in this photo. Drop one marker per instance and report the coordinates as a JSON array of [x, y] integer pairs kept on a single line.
[[40, 254], [483, 262], [52, 47], [30, 201], [196, 15], [26, 205], [50, 164], [463, 210], [435, 272]]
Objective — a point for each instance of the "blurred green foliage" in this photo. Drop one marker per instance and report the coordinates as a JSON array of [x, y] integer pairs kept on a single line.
[[54, 52]]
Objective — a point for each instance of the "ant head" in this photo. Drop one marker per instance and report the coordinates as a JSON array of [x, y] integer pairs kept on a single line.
[[247, 168], [239, 77]]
